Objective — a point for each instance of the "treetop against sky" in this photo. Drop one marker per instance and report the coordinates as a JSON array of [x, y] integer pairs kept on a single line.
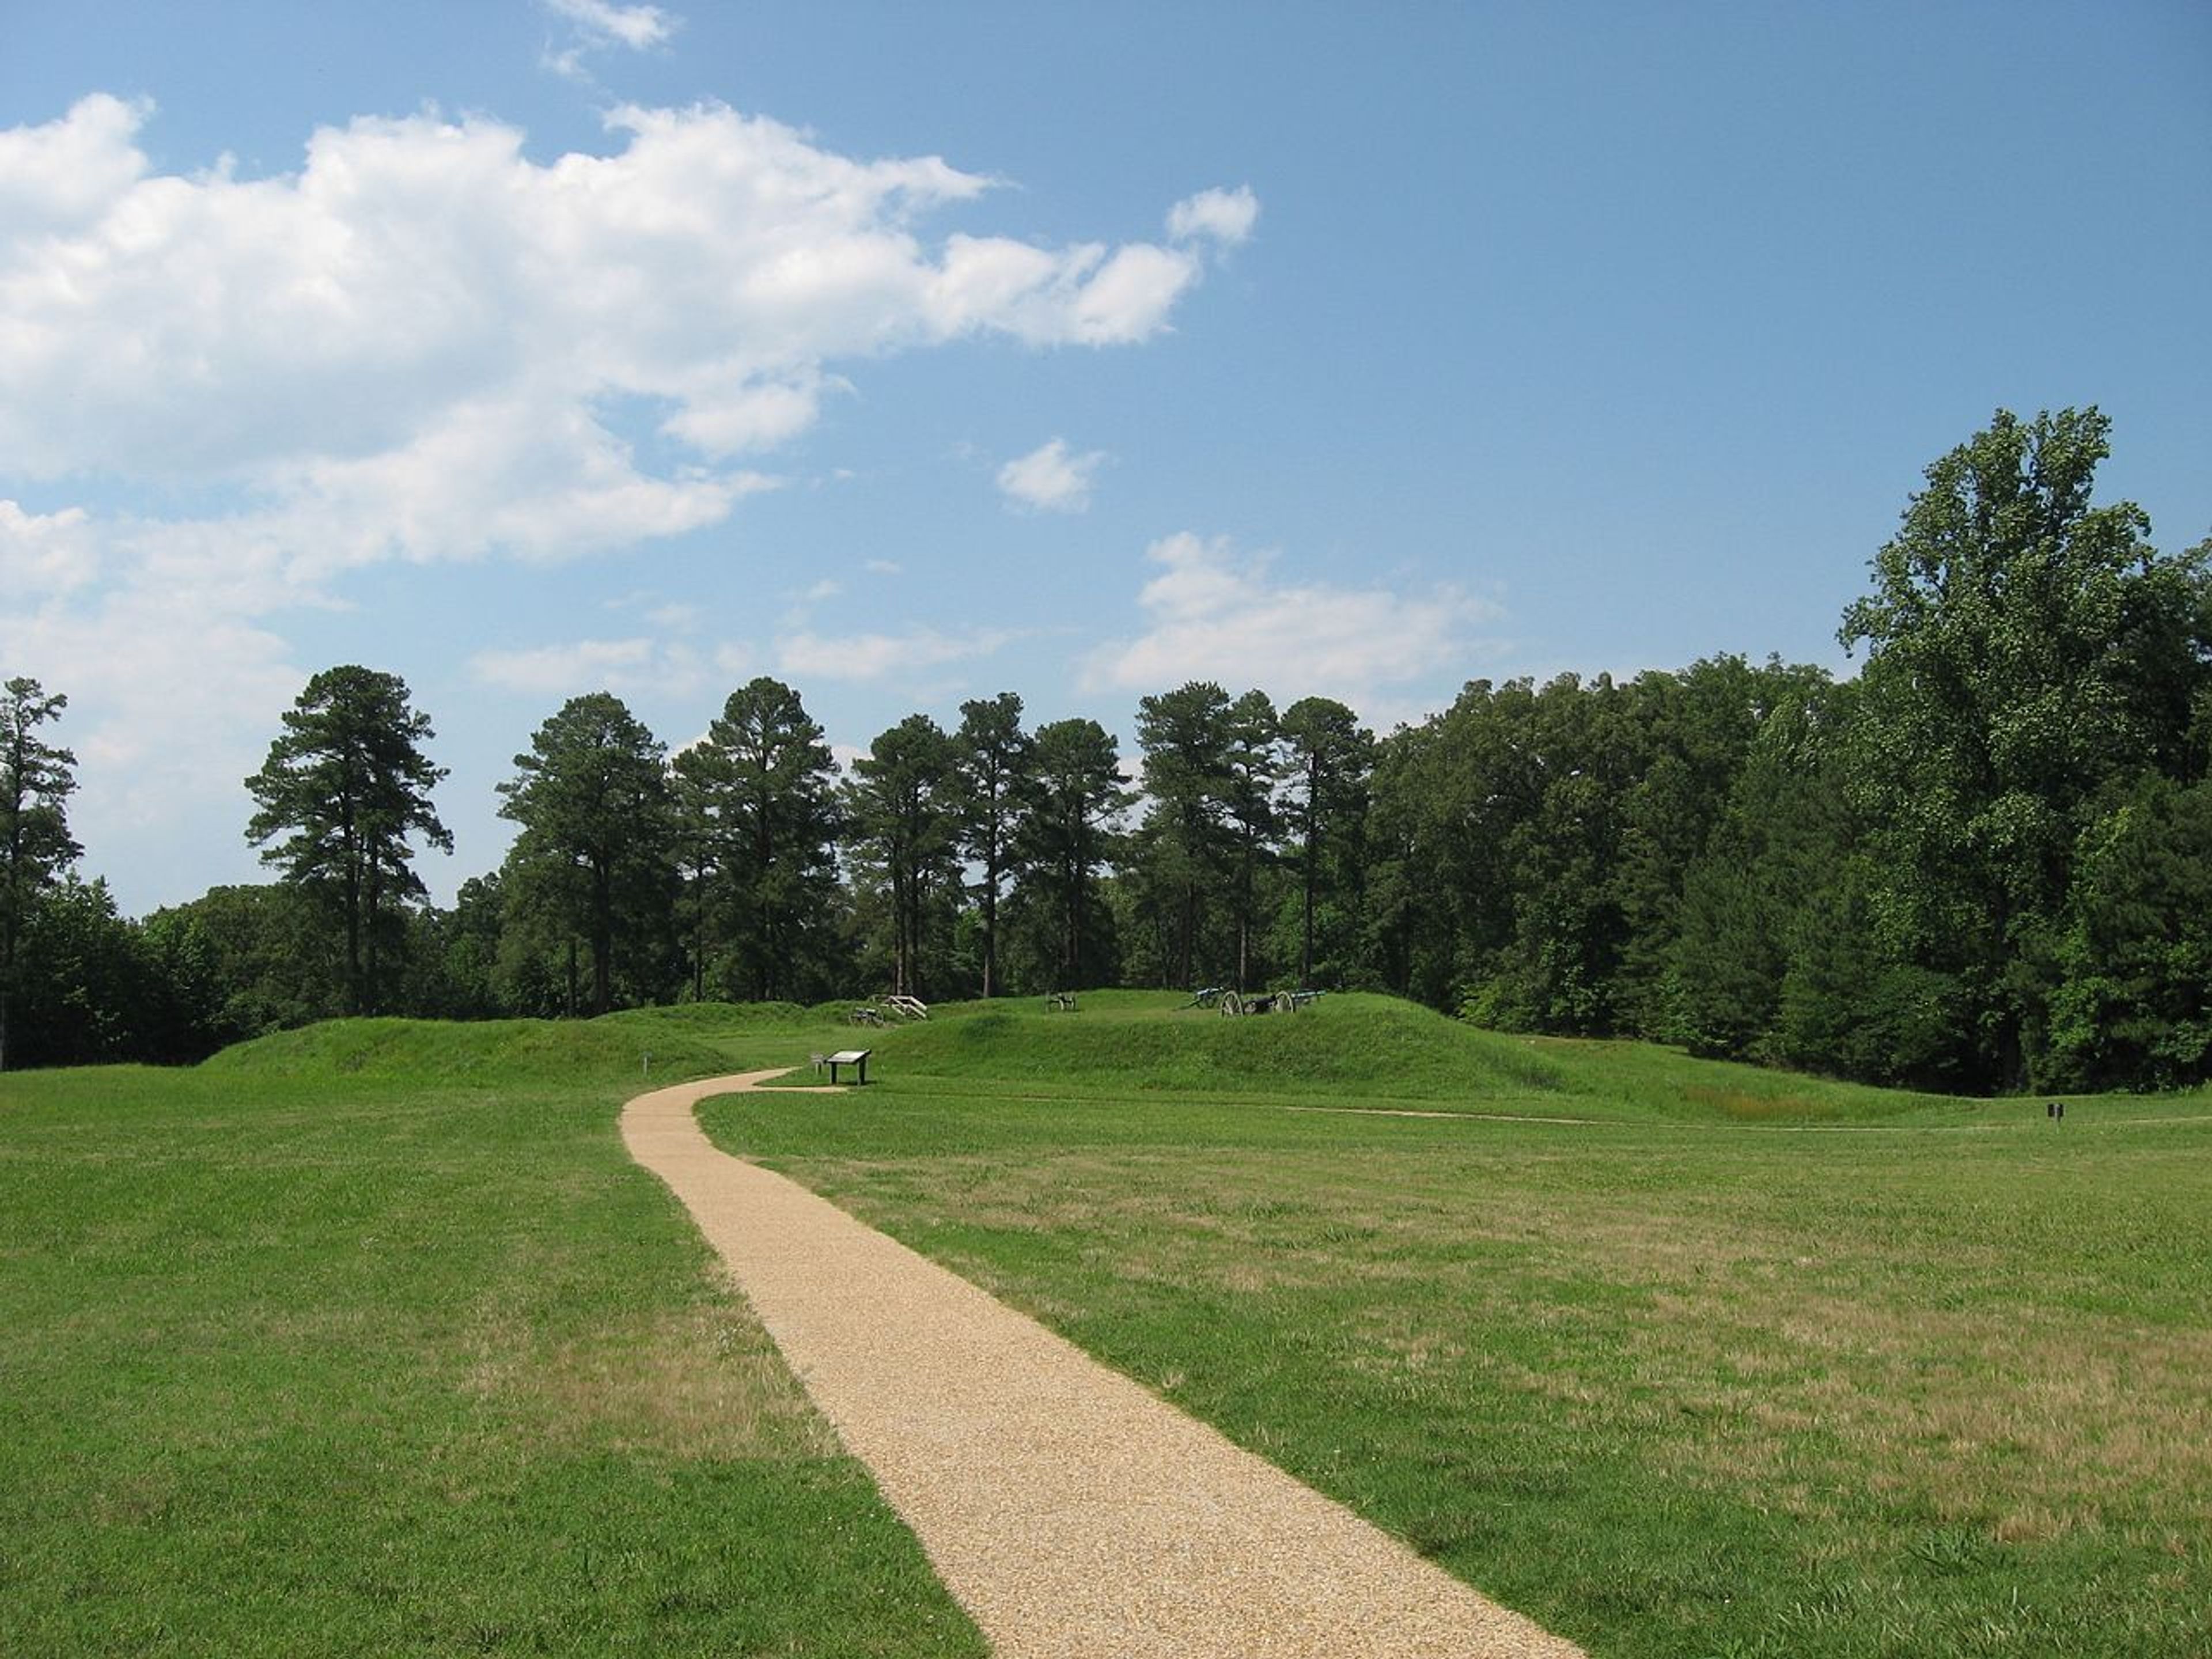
[[914, 354]]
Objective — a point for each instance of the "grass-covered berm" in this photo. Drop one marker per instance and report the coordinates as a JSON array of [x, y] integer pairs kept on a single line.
[[370, 1339], [1678, 1358]]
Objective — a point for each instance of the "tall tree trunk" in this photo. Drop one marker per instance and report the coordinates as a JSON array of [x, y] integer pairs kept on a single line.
[[10, 923], [603, 939], [1305, 949], [768, 944], [372, 958], [990, 932], [8, 903], [353, 935], [1071, 931], [1244, 921]]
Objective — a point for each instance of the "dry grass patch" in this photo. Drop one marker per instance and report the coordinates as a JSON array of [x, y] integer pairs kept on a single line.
[[703, 1382], [1743, 1351]]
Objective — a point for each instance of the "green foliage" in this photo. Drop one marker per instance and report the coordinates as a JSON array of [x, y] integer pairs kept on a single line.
[[1255, 770], [36, 778], [348, 780], [594, 861], [1330, 762], [458, 959], [1535, 843], [1848, 1007], [903, 807], [1777, 853], [91, 989], [2026, 654], [1183, 856], [761, 817], [2134, 1007], [270, 962], [994, 784], [1062, 935], [1977, 866], [1705, 725]]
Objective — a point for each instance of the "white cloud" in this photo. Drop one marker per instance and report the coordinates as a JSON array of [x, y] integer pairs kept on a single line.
[[730, 421], [636, 27], [1048, 479], [423, 283], [574, 669], [539, 482], [599, 23], [46, 553], [857, 656], [1218, 614], [62, 176], [426, 344], [547, 670], [1226, 216], [174, 698], [1129, 296]]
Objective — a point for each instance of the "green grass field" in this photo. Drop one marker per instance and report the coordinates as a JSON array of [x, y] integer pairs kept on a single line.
[[1680, 1358], [370, 1339]]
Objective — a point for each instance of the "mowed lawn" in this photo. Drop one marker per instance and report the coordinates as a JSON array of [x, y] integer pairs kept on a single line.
[[373, 1341], [1730, 1363]]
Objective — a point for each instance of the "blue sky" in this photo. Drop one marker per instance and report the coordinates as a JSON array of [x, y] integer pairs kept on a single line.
[[914, 353]]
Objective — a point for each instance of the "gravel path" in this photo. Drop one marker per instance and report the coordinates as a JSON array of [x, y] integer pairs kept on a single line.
[[1070, 1511]]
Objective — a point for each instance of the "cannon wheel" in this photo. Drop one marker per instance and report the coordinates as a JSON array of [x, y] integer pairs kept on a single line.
[[1285, 1003], [1231, 1004]]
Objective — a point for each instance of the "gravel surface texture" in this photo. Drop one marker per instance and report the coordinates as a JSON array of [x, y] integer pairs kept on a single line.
[[1072, 1512]]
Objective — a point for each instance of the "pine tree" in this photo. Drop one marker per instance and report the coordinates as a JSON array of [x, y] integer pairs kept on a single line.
[[35, 848], [348, 779]]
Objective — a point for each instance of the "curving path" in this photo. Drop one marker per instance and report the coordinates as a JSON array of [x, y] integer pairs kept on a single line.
[[1069, 1510]]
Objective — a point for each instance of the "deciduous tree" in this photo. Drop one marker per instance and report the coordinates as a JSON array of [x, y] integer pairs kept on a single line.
[[2134, 1008], [271, 959], [2024, 652]]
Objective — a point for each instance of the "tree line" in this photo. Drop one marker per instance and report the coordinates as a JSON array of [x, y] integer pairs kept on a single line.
[[1982, 863]]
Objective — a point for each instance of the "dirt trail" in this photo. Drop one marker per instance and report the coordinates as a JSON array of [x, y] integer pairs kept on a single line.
[[1070, 1512]]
